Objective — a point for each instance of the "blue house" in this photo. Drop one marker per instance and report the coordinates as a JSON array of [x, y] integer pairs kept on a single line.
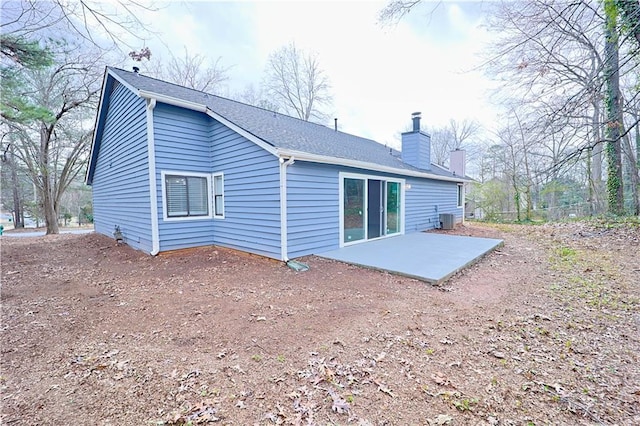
[[174, 168]]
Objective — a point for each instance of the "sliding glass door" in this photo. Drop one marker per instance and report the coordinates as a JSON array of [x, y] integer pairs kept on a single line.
[[371, 207], [353, 205], [393, 217]]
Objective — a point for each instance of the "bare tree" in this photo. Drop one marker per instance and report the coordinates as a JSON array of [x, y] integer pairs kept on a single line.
[[395, 10], [455, 135], [54, 147], [193, 71], [297, 83], [442, 140], [102, 24], [463, 131], [559, 58], [49, 103], [256, 97]]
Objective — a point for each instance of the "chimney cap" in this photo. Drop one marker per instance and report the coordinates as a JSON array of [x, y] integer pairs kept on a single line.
[[136, 69], [416, 114]]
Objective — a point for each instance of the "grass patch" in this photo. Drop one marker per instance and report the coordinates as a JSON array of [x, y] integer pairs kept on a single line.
[[590, 278]]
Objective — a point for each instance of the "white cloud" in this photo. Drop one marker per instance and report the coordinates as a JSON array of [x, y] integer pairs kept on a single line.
[[379, 75]]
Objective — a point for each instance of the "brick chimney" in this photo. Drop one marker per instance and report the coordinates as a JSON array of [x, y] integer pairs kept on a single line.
[[416, 145]]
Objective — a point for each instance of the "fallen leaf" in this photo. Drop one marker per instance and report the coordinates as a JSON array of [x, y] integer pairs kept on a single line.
[[443, 419], [380, 356], [384, 389], [439, 378], [340, 405]]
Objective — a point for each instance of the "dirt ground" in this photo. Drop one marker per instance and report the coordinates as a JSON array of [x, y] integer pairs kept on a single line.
[[543, 331]]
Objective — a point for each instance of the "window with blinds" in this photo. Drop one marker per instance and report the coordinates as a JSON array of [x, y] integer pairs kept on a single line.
[[186, 196]]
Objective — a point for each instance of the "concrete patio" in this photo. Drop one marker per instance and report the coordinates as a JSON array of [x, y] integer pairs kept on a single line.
[[425, 256]]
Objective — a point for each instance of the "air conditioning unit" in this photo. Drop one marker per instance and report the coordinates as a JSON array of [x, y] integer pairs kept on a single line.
[[447, 221]]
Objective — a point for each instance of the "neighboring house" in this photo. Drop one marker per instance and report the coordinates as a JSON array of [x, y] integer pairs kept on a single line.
[[174, 168]]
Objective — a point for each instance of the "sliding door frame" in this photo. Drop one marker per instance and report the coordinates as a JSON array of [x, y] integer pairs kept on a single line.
[[366, 177]]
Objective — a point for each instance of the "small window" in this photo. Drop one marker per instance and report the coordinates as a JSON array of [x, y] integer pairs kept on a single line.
[[186, 196], [218, 196], [460, 195]]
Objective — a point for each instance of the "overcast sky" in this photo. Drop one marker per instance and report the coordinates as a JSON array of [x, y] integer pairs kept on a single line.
[[379, 75]]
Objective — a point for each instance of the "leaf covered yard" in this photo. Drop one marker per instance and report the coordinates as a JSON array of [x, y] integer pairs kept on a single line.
[[542, 331]]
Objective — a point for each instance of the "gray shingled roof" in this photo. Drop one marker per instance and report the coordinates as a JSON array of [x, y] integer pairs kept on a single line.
[[279, 130]]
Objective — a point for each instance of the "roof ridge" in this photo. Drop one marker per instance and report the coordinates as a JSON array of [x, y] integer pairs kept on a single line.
[[190, 88], [233, 100], [279, 130]]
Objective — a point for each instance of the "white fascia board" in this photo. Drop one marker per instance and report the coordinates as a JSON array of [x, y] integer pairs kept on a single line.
[[95, 124], [314, 158], [203, 108], [172, 101], [443, 168]]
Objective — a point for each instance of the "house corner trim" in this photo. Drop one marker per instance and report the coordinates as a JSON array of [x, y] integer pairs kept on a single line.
[[153, 185]]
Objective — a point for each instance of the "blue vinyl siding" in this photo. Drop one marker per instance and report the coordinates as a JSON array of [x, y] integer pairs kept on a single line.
[[426, 200], [120, 181], [313, 205], [181, 145], [192, 142], [313, 224], [251, 194], [416, 149]]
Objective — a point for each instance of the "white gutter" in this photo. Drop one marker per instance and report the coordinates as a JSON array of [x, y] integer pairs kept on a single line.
[[303, 156], [283, 207], [153, 185], [172, 101]]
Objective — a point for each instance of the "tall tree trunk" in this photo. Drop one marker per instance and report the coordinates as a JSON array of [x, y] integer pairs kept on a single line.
[[595, 170], [636, 166], [18, 215], [615, 194], [47, 190]]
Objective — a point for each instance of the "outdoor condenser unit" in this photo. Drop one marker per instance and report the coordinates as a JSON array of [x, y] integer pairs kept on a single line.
[[447, 221]]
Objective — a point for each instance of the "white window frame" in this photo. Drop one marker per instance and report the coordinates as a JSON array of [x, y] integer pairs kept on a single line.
[[460, 196], [165, 215], [213, 195], [366, 177]]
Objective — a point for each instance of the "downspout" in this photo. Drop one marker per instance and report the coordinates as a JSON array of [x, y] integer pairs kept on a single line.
[[283, 207], [153, 186]]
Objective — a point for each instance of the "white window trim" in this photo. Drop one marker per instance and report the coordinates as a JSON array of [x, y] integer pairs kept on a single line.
[[165, 217], [365, 177], [460, 196], [213, 196]]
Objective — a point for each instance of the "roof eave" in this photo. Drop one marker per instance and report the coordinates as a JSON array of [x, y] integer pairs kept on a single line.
[[315, 158], [286, 153], [97, 130]]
